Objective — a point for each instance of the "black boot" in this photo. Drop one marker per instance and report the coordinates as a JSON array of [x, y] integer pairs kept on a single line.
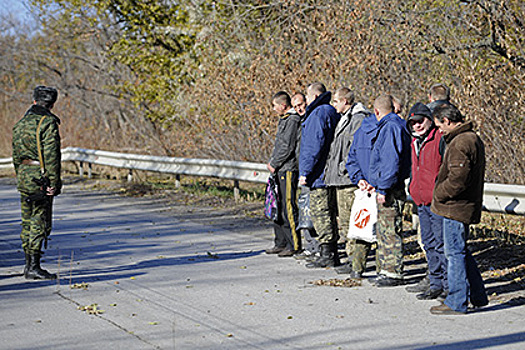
[[328, 258], [35, 272]]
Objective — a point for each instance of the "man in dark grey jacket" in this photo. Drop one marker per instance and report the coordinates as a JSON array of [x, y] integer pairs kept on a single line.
[[336, 175], [284, 164]]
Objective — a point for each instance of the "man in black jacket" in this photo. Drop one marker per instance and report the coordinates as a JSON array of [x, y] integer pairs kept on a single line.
[[284, 164]]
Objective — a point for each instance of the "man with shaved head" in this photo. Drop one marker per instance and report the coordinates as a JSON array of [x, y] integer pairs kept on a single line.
[[389, 167], [318, 132]]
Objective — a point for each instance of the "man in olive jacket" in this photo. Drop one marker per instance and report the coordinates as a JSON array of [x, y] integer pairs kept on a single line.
[[458, 196], [284, 164], [36, 157]]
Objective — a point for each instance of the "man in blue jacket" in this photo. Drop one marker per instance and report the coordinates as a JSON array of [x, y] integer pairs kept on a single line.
[[389, 167], [317, 135]]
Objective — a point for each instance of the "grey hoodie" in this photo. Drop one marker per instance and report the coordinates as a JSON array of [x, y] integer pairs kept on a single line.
[[335, 171]]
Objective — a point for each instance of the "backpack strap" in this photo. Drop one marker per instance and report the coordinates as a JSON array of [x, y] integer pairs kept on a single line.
[[39, 147]]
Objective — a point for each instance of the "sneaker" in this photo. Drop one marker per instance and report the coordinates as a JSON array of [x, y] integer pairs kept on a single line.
[[376, 279], [430, 294], [443, 309], [421, 287], [286, 253], [344, 269], [389, 282], [302, 255], [274, 250], [356, 275]]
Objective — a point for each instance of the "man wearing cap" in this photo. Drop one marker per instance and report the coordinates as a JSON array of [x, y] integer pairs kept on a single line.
[[36, 158], [426, 160]]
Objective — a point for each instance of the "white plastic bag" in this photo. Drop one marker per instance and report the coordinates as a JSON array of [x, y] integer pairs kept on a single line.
[[363, 217]]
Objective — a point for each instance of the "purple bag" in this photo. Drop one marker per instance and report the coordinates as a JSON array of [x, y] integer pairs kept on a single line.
[[271, 199]]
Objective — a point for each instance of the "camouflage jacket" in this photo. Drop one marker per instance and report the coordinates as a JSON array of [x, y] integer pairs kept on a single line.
[[25, 147]]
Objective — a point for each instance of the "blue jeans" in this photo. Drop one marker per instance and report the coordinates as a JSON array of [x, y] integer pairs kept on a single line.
[[464, 278], [432, 237]]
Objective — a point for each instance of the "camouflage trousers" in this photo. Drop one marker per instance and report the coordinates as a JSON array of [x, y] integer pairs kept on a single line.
[[345, 200], [357, 250], [36, 224], [390, 234], [323, 210]]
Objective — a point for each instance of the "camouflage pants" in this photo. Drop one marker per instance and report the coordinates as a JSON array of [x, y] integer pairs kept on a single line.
[[390, 234], [345, 199], [323, 210], [359, 251], [36, 224]]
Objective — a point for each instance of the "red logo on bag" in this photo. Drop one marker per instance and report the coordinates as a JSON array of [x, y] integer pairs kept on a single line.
[[362, 218]]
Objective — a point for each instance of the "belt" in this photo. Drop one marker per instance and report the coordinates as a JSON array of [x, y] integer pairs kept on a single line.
[[30, 162]]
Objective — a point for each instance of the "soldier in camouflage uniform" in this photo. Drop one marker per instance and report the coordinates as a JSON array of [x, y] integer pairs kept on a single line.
[[37, 165]]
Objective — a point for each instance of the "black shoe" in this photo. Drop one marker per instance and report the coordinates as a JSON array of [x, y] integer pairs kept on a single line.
[[344, 269], [328, 258], [430, 294], [286, 253], [274, 250], [421, 287], [476, 304], [35, 272], [442, 296], [355, 275], [389, 282]]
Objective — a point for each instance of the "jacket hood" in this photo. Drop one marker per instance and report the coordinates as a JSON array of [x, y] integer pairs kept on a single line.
[[369, 124], [360, 108], [323, 99]]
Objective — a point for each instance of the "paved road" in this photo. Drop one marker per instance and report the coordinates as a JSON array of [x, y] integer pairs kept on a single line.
[[167, 283]]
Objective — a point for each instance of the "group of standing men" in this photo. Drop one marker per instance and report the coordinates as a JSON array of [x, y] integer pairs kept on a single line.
[[332, 148]]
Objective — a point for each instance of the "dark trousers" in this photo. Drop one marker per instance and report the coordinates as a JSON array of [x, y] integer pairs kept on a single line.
[[285, 229]]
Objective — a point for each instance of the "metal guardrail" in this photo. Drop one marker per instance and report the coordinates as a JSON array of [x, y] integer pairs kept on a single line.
[[497, 197]]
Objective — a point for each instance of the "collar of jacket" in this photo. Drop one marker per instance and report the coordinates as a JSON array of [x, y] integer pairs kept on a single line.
[[39, 110], [386, 118], [288, 113], [467, 126], [323, 99]]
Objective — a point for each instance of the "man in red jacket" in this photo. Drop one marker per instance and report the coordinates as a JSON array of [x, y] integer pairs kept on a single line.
[[426, 160]]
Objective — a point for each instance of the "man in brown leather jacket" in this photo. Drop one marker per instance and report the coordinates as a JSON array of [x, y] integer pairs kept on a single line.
[[458, 197]]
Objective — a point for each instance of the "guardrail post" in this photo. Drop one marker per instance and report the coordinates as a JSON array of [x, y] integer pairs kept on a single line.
[[130, 175], [90, 174], [81, 169], [177, 181], [236, 191]]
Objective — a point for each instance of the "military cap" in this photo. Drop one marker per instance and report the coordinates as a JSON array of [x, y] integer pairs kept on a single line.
[[45, 94]]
